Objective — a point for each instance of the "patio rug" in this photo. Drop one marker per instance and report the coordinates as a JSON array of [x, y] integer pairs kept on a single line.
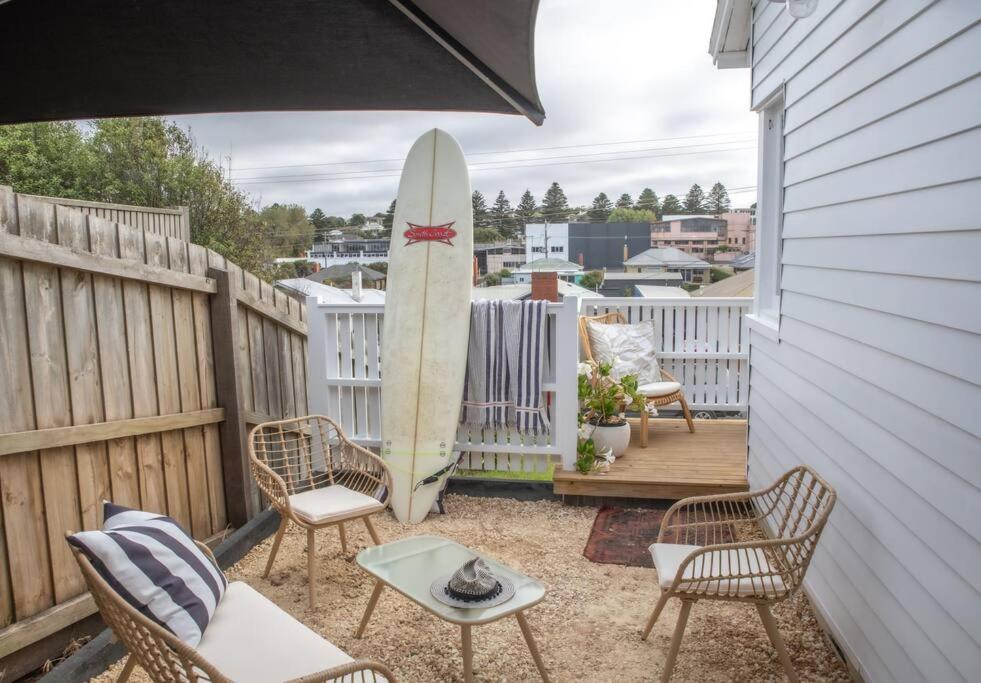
[[622, 536]]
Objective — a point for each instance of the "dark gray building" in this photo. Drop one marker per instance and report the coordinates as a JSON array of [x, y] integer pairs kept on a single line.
[[593, 245]]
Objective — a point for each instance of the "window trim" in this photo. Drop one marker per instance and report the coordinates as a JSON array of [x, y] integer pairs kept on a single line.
[[767, 304]]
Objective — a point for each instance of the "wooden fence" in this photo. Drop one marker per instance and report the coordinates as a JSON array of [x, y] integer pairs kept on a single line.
[[130, 366], [173, 222]]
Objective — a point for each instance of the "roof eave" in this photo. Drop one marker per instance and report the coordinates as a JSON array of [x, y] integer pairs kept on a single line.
[[729, 43]]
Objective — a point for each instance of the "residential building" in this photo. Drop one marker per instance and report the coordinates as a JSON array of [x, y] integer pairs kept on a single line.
[[740, 230], [740, 284], [300, 288], [696, 235], [341, 273], [340, 249], [660, 292], [594, 246], [866, 329], [493, 258], [519, 291], [670, 260], [625, 284], [565, 270]]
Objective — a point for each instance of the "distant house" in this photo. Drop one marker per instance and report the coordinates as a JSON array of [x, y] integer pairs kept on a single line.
[[300, 288], [520, 291], [740, 284], [743, 262], [342, 273], [594, 246], [671, 260], [697, 235], [493, 258], [564, 269], [661, 292], [340, 249], [625, 284]]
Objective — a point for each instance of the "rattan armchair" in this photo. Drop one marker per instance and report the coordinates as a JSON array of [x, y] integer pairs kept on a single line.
[[316, 477], [167, 659], [786, 519], [655, 401]]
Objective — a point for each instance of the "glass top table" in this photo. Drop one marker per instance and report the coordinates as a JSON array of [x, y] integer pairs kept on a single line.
[[410, 565]]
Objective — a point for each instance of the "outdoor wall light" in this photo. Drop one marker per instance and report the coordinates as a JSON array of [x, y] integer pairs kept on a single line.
[[800, 8]]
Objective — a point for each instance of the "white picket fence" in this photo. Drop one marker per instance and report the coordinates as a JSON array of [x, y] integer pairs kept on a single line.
[[703, 344]]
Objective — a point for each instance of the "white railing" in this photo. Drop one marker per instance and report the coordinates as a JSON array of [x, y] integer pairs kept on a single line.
[[345, 383], [703, 343]]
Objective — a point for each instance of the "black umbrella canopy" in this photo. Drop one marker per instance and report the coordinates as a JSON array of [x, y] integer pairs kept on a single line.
[[72, 59]]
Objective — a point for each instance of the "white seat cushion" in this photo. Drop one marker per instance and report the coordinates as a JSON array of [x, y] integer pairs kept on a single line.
[[251, 639], [330, 502], [629, 349], [709, 571], [656, 389]]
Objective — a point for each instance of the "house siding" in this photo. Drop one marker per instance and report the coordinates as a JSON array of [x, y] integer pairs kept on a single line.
[[875, 380]]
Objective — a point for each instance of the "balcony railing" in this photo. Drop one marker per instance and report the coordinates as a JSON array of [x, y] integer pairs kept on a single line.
[[703, 343]]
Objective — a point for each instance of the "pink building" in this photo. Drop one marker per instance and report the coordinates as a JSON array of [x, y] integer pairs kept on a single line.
[[695, 235], [740, 230]]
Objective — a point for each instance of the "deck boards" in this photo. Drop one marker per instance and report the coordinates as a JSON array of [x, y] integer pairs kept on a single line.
[[675, 464]]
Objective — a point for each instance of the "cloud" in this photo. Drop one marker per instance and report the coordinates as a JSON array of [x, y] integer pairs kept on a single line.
[[617, 71]]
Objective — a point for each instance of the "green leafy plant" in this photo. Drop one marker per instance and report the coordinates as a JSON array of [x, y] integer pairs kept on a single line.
[[585, 455], [603, 398]]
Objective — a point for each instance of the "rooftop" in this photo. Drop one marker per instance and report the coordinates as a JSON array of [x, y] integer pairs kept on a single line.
[[632, 277], [520, 291], [343, 271], [740, 284], [656, 291], [670, 257], [548, 264]]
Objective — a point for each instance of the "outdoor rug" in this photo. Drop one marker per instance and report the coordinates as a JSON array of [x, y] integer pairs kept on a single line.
[[622, 536]]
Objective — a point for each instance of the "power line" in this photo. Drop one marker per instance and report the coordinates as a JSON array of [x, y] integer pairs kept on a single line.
[[503, 151]]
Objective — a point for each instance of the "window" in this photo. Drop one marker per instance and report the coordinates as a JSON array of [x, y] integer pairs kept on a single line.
[[557, 250], [769, 243], [538, 250]]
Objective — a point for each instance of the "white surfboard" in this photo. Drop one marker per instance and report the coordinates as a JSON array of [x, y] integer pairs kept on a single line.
[[427, 321]]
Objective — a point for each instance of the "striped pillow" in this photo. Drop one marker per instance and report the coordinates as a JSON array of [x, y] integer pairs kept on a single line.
[[153, 564]]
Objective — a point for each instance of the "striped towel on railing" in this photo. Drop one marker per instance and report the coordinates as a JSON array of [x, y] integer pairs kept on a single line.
[[505, 366]]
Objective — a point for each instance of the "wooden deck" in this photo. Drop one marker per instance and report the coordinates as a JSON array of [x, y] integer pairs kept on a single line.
[[676, 463]]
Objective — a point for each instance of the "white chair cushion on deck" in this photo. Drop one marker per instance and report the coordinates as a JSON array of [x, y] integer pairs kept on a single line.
[[251, 639], [321, 505], [657, 389], [630, 349], [709, 571]]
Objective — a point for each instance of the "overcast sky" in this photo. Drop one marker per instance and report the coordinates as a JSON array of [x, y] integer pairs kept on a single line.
[[632, 72]]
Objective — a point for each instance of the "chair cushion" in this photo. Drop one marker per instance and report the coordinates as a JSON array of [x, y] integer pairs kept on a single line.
[[251, 639], [332, 502], [630, 349], [716, 566], [657, 389], [155, 566]]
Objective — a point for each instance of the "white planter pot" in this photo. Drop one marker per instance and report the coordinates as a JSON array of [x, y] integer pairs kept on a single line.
[[615, 437]]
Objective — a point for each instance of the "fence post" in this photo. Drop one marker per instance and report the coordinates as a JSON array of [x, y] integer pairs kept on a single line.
[[566, 383], [240, 500], [316, 360]]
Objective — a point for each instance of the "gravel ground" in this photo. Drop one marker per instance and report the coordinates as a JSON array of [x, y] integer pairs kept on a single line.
[[588, 626]]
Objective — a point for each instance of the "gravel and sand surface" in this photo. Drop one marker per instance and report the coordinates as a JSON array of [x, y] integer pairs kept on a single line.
[[588, 626]]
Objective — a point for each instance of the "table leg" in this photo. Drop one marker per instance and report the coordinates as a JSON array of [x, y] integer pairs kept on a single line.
[[372, 601], [467, 653], [535, 654]]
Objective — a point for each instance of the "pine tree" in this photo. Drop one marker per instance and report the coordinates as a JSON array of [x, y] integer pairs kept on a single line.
[[479, 210], [695, 200], [718, 199], [601, 209], [502, 215], [389, 218], [320, 223], [671, 206], [527, 209], [647, 201], [625, 201], [555, 206]]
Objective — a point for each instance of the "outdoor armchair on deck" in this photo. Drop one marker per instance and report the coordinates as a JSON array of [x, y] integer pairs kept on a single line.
[[249, 639], [656, 394], [788, 517], [316, 477]]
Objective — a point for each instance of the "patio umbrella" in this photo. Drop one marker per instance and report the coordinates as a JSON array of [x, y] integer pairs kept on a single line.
[[70, 59]]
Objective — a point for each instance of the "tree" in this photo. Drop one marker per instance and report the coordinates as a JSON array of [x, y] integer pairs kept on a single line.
[[479, 209], [695, 200], [631, 216], [486, 236], [290, 232], [717, 274], [647, 201], [718, 199], [625, 201], [380, 266], [601, 209], [492, 279], [502, 216], [527, 209], [671, 206], [389, 218], [505, 273], [321, 224], [357, 219], [592, 280], [555, 206]]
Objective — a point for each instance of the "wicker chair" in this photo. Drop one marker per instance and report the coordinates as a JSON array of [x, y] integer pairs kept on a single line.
[[659, 397], [787, 518], [316, 477], [167, 659]]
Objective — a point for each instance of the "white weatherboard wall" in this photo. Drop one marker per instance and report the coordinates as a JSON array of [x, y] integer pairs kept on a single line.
[[876, 378]]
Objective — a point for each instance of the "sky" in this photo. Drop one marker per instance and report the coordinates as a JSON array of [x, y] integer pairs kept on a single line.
[[632, 101]]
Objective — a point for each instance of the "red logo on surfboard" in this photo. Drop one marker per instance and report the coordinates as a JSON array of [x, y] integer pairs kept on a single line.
[[430, 233]]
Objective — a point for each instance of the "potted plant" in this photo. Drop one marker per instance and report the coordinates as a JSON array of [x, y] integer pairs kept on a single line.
[[603, 399]]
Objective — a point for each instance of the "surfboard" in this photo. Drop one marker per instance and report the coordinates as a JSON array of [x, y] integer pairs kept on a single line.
[[427, 322]]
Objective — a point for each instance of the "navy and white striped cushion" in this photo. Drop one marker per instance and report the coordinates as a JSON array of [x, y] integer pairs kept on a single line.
[[155, 566]]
